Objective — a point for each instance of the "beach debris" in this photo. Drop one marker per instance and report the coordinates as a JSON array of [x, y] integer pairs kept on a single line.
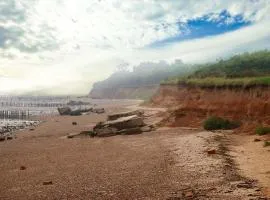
[[74, 123], [78, 112], [8, 129], [81, 134], [47, 183], [2, 137], [98, 110], [188, 194], [245, 184], [211, 151], [64, 110], [77, 103], [22, 168], [257, 140], [9, 136], [128, 123], [125, 114]]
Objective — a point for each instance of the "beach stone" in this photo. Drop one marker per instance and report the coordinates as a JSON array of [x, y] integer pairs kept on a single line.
[[257, 140], [22, 168], [211, 151], [9, 137], [245, 185], [74, 123], [189, 194], [2, 138], [47, 183]]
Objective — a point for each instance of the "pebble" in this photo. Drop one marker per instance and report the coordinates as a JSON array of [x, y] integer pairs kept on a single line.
[[47, 183]]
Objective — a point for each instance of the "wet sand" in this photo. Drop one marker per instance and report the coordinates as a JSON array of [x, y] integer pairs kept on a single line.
[[170, 163]]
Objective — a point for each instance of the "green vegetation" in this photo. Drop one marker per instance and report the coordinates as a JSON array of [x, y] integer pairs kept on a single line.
[[222, 82], [244, 65], [266, 144], [218, 123], [262, 130], [248, 69]]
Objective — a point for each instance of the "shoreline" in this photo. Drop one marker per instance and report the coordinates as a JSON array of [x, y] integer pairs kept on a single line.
[[164, 164]]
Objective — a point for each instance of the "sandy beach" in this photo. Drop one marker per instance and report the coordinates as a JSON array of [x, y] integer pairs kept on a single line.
[[169, 163]]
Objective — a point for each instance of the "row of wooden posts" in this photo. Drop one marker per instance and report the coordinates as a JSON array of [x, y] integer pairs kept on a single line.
[[14, 114], [30, 104]]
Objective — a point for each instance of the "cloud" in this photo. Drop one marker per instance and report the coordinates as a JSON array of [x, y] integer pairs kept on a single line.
[[78, 42]]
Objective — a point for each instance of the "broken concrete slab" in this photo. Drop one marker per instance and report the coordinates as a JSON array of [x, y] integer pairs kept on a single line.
[[125, 114], [106, 132], [130, 131], [125, 122], [64, 110]]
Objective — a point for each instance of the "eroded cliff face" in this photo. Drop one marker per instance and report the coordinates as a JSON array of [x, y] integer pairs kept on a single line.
[[190, 105], [142, 92]]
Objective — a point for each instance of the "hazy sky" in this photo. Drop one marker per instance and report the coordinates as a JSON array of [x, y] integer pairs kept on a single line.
[[63, 46]]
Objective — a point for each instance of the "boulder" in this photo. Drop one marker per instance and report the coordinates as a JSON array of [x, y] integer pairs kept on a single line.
[[125, 114], [64, 110]]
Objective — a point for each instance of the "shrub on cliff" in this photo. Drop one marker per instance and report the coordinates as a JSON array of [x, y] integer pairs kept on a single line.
[[263, 130], [218, 123], [266, 143]]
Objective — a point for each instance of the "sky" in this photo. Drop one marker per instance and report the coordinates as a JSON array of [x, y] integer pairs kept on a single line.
[[60, 47]]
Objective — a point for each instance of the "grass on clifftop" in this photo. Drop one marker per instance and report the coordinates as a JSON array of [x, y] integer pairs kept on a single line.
[[247, 69], [221, 82]]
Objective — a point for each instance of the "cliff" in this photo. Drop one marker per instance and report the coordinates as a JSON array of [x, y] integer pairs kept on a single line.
[[138, 92], [190, 105]]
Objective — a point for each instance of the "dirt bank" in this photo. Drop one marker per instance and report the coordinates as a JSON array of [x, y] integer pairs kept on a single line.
[[193, 104]]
